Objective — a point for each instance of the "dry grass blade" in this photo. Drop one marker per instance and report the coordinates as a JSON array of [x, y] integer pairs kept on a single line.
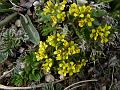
[[1, 77], [85, 81], [76, 87], [2, 87]]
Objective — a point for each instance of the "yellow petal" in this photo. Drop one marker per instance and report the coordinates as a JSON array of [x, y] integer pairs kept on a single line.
[[102, 41], [95, 38], [106, 40], [89, 23], [91, 35], [93, 30], [81, 15], [60, 72], [70, 73]]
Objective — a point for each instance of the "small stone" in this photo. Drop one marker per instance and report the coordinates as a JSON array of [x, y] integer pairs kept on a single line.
[[21, 50], [18, 23], [103, 88], [61, 76], [49, 78], [36, 3]]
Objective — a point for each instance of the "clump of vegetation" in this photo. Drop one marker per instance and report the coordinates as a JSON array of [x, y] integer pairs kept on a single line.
[[57, 51], [65, 39]]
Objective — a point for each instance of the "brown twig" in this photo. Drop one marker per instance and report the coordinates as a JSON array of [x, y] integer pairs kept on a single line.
[[6, 73], [77, 87], [85, 81], [29, 87]]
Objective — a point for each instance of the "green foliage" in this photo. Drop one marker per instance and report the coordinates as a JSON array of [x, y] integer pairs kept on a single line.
[[30, 29], [10, 39], [51, 86], [3, 56], [116, 4], [46, 28], [99, 13], [76, 35], [5, 6], [29, 73], [104, 1]]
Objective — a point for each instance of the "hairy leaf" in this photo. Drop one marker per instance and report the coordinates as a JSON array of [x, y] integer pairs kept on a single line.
[[30, 29], [3, 56]]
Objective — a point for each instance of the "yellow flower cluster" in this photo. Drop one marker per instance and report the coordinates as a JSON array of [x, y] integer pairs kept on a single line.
[[41, 54], [68, 48], [48, 64], [62, 49], [83, 13], [52, 40], [101, 33], [79, 66], [61, 54], [65, 68], [70, 67], [55, 11]]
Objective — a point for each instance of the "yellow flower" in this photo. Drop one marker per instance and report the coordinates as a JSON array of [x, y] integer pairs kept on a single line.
[[62, 5], [101, 33], [48, 64], [42, 46], [107, 27], [77, 68], [74, 10], [64, 50], [48, 7], [82, 9], [82, 22], [89, 20], [88, 9], [46, 10], [83, 63], [41, 53], [66, 68], [81, 15], [60, 37], [49, 3], [54, 20], [55, 11], [65, 43], [51, 40]]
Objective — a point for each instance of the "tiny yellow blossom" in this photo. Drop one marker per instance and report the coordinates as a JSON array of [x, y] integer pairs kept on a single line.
[[60, 37], [82, 22], [54, 20], [48, 64], [89, 20], [51, 40], [101, 33]]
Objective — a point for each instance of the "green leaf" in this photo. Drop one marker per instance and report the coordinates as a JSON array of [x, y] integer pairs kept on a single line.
[[48, 86], [106, 1], [86, 34], [7, 19], [17, 80], [4, 7], [99, 13], [30, 29], [58, 86], [3, 56], [47, 30]]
